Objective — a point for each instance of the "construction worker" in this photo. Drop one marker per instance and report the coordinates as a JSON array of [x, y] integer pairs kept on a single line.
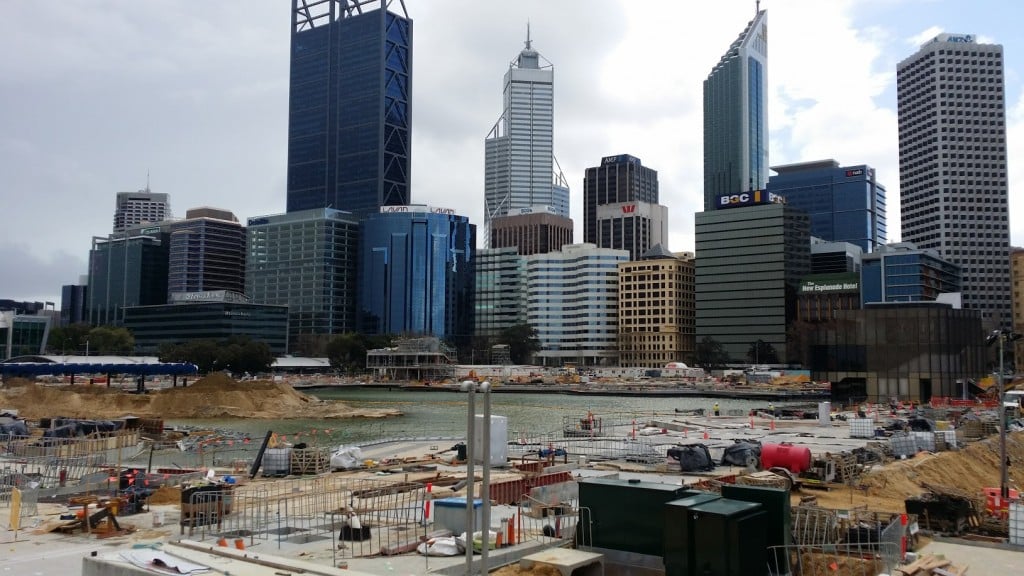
[[771, 408], [716, 409]]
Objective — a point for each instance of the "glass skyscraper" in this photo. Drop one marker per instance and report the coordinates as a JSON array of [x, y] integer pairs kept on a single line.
[[519, 166], [846, 204], [207, 252], [127, 269], [416, 273], [618, 179], [736, 116], [903, 273], [953, 185], [350, 106], [307, 261]]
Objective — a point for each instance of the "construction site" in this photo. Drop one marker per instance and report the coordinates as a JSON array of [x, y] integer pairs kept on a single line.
[[843, 492]]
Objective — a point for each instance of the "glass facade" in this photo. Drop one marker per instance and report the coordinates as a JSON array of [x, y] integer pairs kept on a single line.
[[846, 204], [307, 262], [130, 270], [735, 116], [749, 264], [154, 326], [73, 300], [416, 273], [572, 300], [22, 335], [906, 351], [206, 254], [350, 107], [499, 291], [618, 179], [519, 167], [898, 273]]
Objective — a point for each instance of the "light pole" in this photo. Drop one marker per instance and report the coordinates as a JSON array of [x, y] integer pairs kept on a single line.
[[485, 388], [1002, 336]]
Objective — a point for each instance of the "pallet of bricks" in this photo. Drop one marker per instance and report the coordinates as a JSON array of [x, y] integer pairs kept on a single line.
[[309, 461], [932, 564]]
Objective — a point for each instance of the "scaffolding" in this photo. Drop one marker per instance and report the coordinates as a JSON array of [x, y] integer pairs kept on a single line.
[[414, 359]]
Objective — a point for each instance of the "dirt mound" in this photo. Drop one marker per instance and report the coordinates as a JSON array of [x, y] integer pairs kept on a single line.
[[215, 396]]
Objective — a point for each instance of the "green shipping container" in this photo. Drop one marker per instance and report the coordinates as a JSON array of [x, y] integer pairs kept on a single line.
[[625, 515]]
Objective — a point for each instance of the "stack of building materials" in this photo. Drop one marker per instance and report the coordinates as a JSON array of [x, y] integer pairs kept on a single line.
[[903, 445], [862, 428]]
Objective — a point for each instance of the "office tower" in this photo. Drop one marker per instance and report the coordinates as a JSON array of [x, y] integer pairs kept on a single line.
[[1017, 274], [350, 105], [416, 273], [620, 206], [307, 261], [619, 179], [499, 293], [656, 309], [835, 257], [953, 187], [531, 231], [572, 300], [138, 208], [73, 298], [736, 116], [207, 252], [127, 269], [750, 260], [903, 273], [846, 204], [519, 166]]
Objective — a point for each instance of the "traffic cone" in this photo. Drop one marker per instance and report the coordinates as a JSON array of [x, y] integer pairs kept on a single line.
[[685, 430], [705, 433], [771, 426], [751, 421]]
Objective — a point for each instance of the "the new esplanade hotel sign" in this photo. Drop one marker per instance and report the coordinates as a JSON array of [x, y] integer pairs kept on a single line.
[[831, 286], [752, 198]]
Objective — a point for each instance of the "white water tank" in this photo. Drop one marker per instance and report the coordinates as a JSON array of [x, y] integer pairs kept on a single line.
[[499, 440]]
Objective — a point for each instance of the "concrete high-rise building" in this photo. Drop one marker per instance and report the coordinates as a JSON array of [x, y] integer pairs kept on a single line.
[[953, 182], [416, 273], [499, 291], [656, 311], [307, 261], [207, 252], [846, 204], [736, 116], [750, 260], [520, 170], [635, 227], [572, 300], [138, 208], [531, 231], [350, 105]]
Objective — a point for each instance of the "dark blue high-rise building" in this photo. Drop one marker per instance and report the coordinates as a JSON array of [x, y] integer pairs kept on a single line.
[[416, 273], [350, 105], [846, 204]]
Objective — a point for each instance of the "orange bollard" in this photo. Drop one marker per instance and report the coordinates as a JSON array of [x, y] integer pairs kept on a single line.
[[512, 530], [772, 425], [240, 543], [706, 434], [222, 542]]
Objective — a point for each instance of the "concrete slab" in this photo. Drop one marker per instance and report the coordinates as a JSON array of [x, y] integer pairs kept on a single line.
[[567, 561], [981, 559]]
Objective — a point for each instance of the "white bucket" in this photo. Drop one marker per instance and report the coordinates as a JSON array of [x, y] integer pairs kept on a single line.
[[158, 518]]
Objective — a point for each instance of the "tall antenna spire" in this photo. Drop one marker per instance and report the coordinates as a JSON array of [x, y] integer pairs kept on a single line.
[[528, 34], [147, 179], [757, 7]]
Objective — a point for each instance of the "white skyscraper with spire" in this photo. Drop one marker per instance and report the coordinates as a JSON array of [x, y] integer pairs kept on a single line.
[[519, 164]]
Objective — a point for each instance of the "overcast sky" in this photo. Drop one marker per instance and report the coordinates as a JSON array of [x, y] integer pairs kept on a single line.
[[95, 94]]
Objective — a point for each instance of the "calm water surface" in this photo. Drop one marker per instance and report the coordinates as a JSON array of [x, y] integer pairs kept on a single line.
[[444, 414]]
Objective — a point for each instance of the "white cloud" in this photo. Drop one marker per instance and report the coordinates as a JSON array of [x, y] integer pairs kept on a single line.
[[1015, 175]]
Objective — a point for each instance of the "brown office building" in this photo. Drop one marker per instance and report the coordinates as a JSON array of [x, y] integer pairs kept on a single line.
[[531, 231], [656, 309]]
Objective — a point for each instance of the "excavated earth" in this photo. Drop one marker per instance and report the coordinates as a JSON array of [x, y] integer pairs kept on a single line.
[[215, 396]]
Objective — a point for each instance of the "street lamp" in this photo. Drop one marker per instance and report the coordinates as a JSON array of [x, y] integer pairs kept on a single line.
[[1002, 336], [472, 387]]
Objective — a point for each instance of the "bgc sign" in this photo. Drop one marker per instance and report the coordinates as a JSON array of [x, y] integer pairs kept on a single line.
[[749, 199]]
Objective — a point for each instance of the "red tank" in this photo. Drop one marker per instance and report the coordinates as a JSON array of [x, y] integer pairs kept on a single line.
[[796, 459]]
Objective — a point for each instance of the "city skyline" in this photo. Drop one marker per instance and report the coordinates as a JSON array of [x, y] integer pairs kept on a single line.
[[87, 118]]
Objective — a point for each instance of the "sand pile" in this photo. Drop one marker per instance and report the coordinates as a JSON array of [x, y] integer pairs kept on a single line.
[[215, 396]]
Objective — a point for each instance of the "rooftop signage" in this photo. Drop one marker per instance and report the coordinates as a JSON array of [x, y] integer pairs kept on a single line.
[[955, 38], [619, 159], [209, 296], [833, 285], [752, 198], [413, 208]]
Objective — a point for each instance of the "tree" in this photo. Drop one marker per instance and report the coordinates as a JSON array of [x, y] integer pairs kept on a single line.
[[710, 354], [111, 340], [347, 352], [522, 342], [68, 339], [202, 353], [762, 352], [238, 354]]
